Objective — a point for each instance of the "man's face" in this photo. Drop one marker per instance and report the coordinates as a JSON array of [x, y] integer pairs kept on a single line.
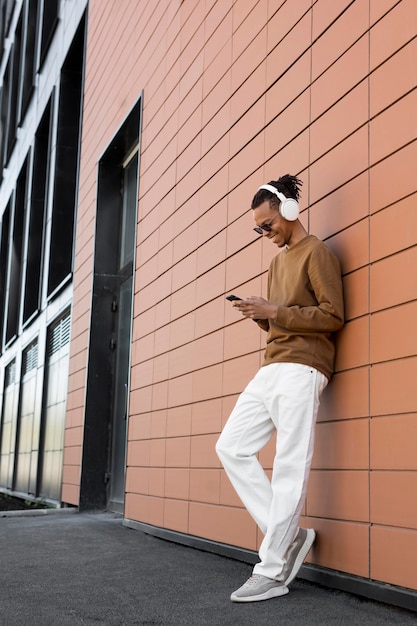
[[281, 229]]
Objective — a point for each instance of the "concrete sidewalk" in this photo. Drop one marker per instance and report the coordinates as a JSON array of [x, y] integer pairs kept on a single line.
[[71, 568]]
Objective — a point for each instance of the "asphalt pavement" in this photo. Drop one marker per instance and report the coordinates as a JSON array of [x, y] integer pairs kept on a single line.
[[70, 568]]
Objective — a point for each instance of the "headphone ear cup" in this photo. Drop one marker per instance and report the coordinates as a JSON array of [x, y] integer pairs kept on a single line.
[[289, 209]]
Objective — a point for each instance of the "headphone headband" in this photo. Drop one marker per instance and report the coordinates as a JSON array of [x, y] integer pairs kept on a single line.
[[273, 190]]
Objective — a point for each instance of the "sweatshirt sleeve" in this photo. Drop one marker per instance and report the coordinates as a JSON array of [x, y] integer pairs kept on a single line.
[[327, 315], [264, 324]]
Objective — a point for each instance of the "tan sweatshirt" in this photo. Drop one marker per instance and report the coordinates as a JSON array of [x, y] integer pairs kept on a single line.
[[305, 282]]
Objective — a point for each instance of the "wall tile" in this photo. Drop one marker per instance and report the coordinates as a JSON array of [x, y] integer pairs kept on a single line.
[[324, 14], [240, 233], [247, 126], [214, 39], [179, 421], [392, 388], [356, 293], [70, 494], [137, 479], [392, 441], [238, 372], [228, 495], [178, 452], [181, 330], [177, 483], [295, 155], [241, 338], [218, 73], [391, 504], [208, 350], [249, 159], [207, 383], [183, 301], [181, 360], [211, 253], [239, 201], [400, 217], [345, 161], [342, 445], [353, 344], [378, 8], [211, 223], [209, 317], [139, 426], [393, 556], [340, 495], [289, 86], [346, 396], [242, 267], [203, 454], [292, 42], [248, 61], [400, 116], [351, 246], [157, 454], [348, 26], [387, 272], [340, 545], [382, 192], [394, 29], [158, 424], [225, 524], [184, 272], [156, 482], [210, 285], [176, 515], [205, 485], [180, 390], [327, 89], [267, 455], [391, 72], [249, 28], [206, 417], [290, 123], [329, 130], [398, 342], [246, 96]]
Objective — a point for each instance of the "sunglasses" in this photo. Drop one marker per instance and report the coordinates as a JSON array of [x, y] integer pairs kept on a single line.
[[265, 227]]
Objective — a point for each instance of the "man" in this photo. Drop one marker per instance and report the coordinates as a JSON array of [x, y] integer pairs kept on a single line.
[[303, 310]]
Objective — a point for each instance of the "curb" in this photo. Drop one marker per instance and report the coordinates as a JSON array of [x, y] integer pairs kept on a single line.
[[37, 512]]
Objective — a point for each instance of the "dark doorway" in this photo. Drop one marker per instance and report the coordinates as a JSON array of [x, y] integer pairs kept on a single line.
[[106, 412]]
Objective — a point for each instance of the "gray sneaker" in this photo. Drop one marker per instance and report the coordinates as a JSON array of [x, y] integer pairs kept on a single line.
[[257, 588], [296, 554]]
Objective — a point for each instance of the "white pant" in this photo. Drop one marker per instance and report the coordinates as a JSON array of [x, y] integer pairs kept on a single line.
[[285, 397]]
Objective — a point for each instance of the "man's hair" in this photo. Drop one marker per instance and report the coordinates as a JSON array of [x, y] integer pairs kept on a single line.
[[288, 185]]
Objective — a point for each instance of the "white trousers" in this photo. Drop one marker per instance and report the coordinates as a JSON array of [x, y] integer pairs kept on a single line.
[[283, 397]]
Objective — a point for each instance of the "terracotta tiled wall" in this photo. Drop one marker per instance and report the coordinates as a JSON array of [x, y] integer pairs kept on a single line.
[[235, 94]]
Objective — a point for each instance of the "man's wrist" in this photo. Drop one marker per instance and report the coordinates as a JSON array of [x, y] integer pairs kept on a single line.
[[274, 312]]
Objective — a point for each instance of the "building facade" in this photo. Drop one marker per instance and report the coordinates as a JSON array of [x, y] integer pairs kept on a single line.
[[42, 71], [134, 135]]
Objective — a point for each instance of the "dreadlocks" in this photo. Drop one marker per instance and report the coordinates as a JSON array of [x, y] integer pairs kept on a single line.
[[288, 185]]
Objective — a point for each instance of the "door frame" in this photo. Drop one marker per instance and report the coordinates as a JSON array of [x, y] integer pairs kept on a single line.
[[96, 452]]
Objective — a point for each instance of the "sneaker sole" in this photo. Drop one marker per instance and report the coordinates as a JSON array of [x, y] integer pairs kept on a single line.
[[274, 592], [311, 535]]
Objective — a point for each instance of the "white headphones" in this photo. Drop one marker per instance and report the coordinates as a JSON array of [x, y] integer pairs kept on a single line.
[[288, 208]]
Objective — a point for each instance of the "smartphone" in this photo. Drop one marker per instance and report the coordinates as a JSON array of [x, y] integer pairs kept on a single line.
[[233, 297]]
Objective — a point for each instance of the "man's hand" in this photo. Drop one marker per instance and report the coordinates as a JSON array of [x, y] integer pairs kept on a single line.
[[256, 308]]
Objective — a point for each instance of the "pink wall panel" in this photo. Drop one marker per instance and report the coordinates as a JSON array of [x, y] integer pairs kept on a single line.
[[236, 94]]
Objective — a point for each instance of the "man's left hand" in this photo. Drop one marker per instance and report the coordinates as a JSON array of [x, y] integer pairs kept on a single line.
[[256, 308]]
